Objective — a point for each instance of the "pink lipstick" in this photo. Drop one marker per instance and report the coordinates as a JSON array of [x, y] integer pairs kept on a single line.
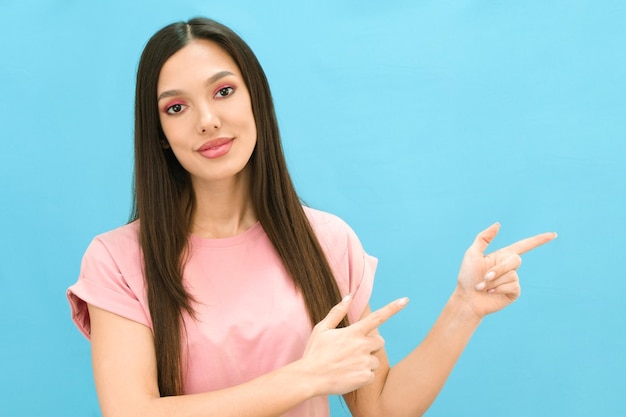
[[216, 148]]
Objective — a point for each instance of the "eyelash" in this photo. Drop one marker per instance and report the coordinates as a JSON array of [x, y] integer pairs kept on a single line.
[[228, 88], [169, 108], [219, 94]]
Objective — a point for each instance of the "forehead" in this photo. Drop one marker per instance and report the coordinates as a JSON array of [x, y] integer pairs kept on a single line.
[[195, 62]]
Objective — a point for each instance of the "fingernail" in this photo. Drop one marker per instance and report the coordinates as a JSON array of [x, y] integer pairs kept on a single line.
[[556, 234], [491, 291], [403, 301], [490, 275], [480, 286], [347, 298]]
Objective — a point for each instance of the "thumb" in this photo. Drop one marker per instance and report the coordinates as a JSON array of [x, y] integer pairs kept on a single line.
[[336, 314], [484, 238]]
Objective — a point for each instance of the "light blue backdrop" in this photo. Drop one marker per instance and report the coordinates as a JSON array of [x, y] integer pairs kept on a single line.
[[419, 122]]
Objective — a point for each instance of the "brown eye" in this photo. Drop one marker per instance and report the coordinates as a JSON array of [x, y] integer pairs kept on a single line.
[[175, 108], [224, 92]]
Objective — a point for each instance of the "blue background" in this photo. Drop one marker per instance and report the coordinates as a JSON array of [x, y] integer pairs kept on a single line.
[[418, 122]]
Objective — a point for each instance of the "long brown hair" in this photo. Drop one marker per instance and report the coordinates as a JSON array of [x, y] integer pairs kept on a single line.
[[163, 199]]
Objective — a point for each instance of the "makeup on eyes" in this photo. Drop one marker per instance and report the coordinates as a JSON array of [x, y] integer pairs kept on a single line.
[[171, 104], [224, 87], [165, 109]]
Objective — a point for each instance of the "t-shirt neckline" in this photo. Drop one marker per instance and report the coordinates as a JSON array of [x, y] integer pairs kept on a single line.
[[249, 234]]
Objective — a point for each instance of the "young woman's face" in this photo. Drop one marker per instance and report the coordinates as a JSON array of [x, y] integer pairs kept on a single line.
[[206, 113]]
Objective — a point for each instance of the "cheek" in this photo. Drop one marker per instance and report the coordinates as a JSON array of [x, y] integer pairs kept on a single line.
[[250, 123], [164, 125], [172, 128], [252, 129]]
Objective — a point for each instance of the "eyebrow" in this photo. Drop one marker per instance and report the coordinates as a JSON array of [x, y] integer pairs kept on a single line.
[[215, 77]]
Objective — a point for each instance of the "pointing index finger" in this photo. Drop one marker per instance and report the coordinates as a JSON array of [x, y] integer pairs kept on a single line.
[[378, 317], [522, 246]]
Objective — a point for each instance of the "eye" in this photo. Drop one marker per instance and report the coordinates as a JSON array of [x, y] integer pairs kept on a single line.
[[224, 92], [175, 108]]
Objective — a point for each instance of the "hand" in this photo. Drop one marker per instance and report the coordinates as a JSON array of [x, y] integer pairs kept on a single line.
[[342, 360], [490, 282]]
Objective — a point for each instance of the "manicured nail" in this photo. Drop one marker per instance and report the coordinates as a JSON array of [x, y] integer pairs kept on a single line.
[[490, 275], [403, 301], [480, 286], [347, 298]]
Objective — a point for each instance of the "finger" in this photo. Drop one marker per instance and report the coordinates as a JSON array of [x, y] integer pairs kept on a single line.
[[512, 262], [376, 342], [507, 278], [530, 243], [511, 289], [508, 265], [378, 317], [374, 363], [336, 314], [484, 238]]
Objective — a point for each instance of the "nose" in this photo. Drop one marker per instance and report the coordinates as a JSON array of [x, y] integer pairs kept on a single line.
[[207, 120]]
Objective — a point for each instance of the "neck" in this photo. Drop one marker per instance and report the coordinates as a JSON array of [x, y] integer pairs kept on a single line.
[[223, 209]]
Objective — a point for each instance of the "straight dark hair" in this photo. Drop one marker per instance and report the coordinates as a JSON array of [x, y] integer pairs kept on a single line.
[[163, 199]]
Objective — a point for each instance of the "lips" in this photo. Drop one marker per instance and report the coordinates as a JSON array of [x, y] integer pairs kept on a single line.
[[216, 148]]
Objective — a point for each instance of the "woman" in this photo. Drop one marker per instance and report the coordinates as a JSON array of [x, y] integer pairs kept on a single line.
[[222, 295]]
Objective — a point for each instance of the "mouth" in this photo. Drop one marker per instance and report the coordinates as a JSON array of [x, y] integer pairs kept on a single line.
[[216, 148], [214, 144]]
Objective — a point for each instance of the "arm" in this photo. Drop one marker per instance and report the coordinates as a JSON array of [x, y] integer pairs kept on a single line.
[[411, 386], [126, 379], [336, 361], [486, 284]]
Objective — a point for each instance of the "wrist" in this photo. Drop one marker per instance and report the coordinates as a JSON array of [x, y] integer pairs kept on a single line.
[[307, 377], [461, 303]]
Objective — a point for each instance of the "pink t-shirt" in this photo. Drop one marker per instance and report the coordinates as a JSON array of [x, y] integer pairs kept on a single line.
[[250, 318]]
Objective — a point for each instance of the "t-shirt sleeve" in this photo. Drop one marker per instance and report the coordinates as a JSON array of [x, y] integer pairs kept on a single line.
[[353, 267], [361, 271], [103, 284]]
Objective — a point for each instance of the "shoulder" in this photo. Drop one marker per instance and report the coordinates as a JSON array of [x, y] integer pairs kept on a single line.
[[123, 235], [327, 225], [120, 246], [332, 232]]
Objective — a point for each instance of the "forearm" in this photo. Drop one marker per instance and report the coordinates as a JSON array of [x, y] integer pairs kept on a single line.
[[413, 384], [272, 394]]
